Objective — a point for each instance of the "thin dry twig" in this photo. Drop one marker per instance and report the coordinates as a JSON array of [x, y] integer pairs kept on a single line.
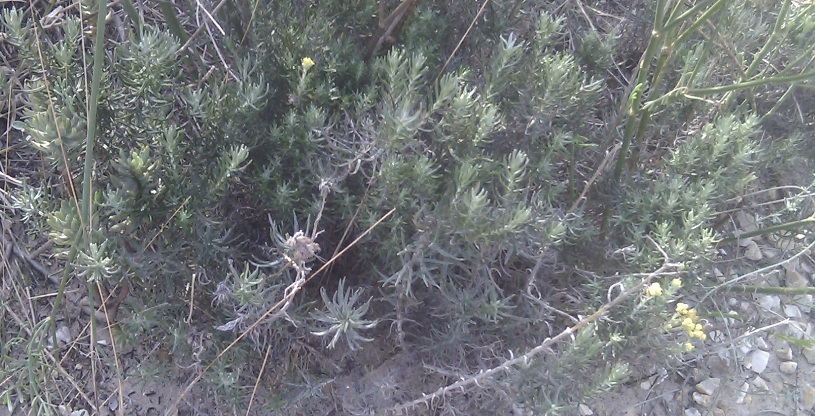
[[461, 41]]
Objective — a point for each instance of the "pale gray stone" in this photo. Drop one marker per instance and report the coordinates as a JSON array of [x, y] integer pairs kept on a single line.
[[793, 278], [808, 397], [770, 302], [788, 367], [757, 361], [709, 386], [809, 353], [760, 384], [792, 311], [702, 399]]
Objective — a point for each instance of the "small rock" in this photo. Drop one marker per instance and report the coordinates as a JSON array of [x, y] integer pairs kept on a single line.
[[770, 302], [793, 278], [770, 252], [808, 397], [692, 412], [792, 311], [709, 386], [791, 264], [647, 384], [761, 343], [64, 335], [752, 252], [742, 393], [716, 364], [784, 352], [584, 410], [747, 222], [699, 374], [757, 361], [788, 367], [804, 302], [760, 384], [716, 336], [809, 353], [702, 399]]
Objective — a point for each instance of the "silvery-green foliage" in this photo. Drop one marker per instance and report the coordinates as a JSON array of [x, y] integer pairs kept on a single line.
[[343, 317]]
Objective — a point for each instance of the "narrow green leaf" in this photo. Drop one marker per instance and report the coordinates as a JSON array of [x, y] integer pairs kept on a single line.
[[172, 21]]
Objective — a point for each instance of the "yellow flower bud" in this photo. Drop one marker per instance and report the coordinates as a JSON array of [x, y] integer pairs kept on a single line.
[[654, 289], [682, 308], [692, 314], [307, 63], [676, 283], [687, 347]]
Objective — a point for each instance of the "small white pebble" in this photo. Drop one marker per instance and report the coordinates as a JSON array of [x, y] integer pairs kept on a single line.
[[584, 410], [784, 352], [792, 311], [709, 386], [702, 399], [808, 397], [742, 393], [809, 353], [760, 384], [788, 367], [757, 361]]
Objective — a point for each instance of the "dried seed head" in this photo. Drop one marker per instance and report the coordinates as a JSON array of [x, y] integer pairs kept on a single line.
[[303, 248]]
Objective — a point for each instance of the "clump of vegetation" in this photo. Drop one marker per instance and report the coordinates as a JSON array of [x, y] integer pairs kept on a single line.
[[255, 191]]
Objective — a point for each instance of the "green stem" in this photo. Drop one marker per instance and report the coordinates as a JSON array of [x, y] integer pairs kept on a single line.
[[66, 274], [770, 290], [85, 206], [692, 28], [655, 43], [572, 163], [98, 57], [794, 225], [779, 21], [684, 16], [750, 84]]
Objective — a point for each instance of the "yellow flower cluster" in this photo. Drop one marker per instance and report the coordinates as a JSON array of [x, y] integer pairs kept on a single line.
[[307, 63], [653, 290], [689, 321]]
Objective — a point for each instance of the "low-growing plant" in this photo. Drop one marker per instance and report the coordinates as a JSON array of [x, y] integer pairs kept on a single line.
[[479, 214]]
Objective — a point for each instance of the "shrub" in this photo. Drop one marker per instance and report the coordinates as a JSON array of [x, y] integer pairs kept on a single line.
[[263, 190]]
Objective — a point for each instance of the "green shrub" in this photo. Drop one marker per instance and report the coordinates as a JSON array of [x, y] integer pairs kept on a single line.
[[481, 199]]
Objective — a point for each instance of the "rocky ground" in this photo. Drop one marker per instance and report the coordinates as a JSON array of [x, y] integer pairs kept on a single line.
[[759, 360]]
